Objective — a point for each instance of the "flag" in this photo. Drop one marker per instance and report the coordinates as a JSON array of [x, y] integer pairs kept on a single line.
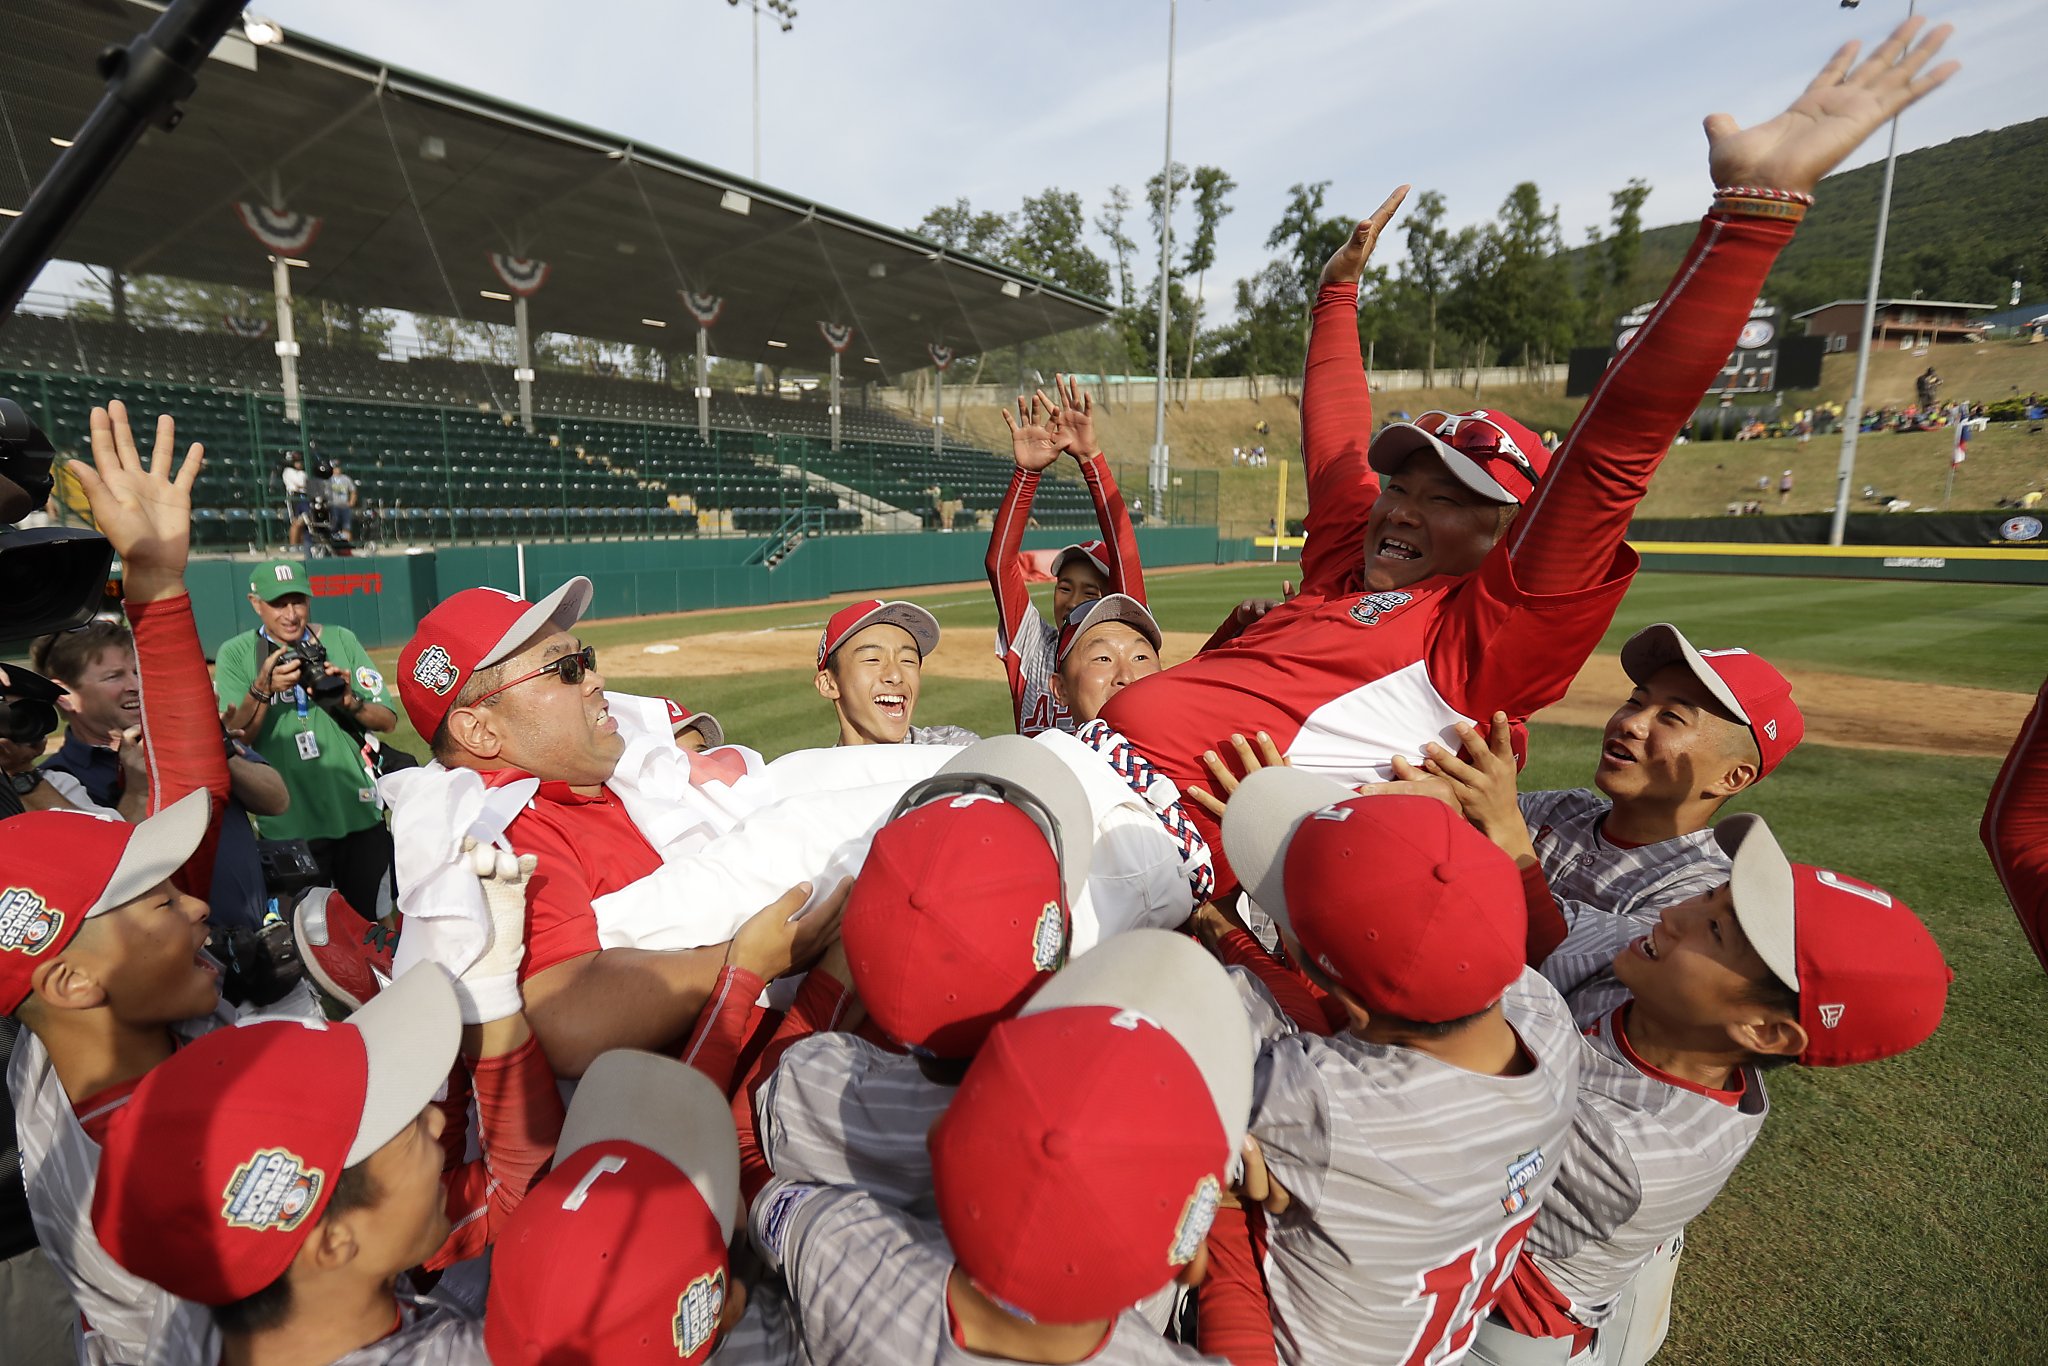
[[705, 308], [942, 356], [838, 336], [522, 276], [283, 231]]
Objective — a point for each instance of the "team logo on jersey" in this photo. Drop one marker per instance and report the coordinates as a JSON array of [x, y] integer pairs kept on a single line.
[[274, 1189], [1049, 940], [1830, 1016], [783, 1208], [28, 924], [1368, 609], [697, 1312], [1195, 1218], [369, 680], [434, 670], [1521, 1172]]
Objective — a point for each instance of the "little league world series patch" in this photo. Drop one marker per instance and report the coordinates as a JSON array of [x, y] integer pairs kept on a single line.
[[697, 1312], [1195, 1218], [1049, 940], [28, 924], [274, 1189], [435, 671], [1368, 610], [1521, 1172]]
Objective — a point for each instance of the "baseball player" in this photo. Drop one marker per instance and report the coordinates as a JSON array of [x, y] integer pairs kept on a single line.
[[2015, 827], [1455, 567], [1107, 644], [1699, 727], [1025, 642], [1404, 1158], [695, 731], [1685, 1010], [871, 667], [1076, 1171], [280, 1179]]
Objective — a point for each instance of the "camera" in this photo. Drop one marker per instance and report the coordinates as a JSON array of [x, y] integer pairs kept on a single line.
[[326, 689], [56, 577], [28, 707]]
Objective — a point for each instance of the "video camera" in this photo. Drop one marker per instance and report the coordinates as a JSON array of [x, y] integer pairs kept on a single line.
[[56, 576], [28, 707]]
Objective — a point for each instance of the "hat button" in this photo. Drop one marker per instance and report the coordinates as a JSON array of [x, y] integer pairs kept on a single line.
[[1057, 1145], [1445, 872]]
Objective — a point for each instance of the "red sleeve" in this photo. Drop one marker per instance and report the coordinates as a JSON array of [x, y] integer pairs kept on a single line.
[[1233, 1317], [1546, 923], [1336, 427], [1292, 992], [1567, 538], [454, 1108], [561, 924], [723, 1026], [1005, 543], [2015, 828], [821, 1003], [519, 1113], [1119, 540], [185, 753]]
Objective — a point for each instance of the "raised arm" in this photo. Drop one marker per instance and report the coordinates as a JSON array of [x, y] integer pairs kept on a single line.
[[1568, 537], [2015, 829], [1075, 425], [1033, 446]]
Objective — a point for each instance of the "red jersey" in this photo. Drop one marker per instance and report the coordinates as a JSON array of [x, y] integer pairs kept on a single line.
[[1344, 679], [2015, 828], [584, 848]]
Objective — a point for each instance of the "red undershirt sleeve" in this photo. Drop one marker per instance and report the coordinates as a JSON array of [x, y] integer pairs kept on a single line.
[[185, 753], [821, 1003], [1233, 1316], [1292, 992], [723, 1025], [1336, 427], [1546, 923], [519, 1116], [1119, 538], [2015, 828]]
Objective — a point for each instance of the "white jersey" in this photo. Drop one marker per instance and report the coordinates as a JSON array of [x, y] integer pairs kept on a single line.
[[1649, 1151], [840, 1111], [1413, 1182], [1031, 657], [869, 1284], [1583, 866]]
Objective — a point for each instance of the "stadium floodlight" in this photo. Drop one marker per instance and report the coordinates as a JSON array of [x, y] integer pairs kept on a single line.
[[654, 322], [732, 201], [780, 346], [60, 142], [10, 213], [261, 31], [501, 297], [1012, 290], [785, 18], [877, 270], [871, 360]]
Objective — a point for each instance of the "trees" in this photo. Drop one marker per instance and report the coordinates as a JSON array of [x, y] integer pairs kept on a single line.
[[1116, 211], [1428, 266], [1047, 238], [1212, 190], [959, 227]]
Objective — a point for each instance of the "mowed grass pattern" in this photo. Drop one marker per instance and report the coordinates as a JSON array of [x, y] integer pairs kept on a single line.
[[1889, 1213]]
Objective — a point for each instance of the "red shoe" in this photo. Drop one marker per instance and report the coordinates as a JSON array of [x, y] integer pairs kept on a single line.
[[347, 956]]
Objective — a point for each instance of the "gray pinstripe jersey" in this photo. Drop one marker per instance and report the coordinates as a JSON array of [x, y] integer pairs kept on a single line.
[[1413, 1183], [869, 1284], [1582, 866], [431, 1332], [840, 1111], [1646, 1156]]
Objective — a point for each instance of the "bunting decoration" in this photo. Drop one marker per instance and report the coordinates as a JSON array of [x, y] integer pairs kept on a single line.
[[838, 336], [705, 308], [281, 230], [522, 276], [942, 356], [241, 325]]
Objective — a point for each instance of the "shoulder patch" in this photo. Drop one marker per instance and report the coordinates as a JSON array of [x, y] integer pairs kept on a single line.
[[369, 680], [781, 1209], [1521, 1172], [1368, 610]]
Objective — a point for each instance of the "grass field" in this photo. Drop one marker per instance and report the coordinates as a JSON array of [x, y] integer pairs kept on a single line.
[[1889, 1213]]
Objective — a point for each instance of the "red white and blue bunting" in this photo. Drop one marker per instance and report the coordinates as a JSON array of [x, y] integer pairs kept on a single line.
[[942, 356], [522, 276], [838, 336], [241, 325], [283, 231], [705, 308]]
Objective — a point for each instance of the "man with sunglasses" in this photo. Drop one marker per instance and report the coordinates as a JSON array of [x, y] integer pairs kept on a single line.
[[1454, 567]]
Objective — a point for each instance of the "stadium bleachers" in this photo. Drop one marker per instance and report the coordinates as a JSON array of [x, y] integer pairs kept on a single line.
[[438, 456]]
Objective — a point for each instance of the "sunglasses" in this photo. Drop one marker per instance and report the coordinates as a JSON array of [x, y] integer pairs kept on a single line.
[[570, 668], [1493, 438]]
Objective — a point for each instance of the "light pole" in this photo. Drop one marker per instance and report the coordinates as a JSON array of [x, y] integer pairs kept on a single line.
[[1852, 417], [785, 15], [1159, 464]]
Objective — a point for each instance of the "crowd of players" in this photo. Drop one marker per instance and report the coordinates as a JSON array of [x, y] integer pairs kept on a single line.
[[1237, 1010]]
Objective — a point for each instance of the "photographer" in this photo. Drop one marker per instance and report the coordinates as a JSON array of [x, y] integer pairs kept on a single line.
[[304, 696]]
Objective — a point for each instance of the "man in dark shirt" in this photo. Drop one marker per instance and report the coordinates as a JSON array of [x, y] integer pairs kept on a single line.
[[103, 700]]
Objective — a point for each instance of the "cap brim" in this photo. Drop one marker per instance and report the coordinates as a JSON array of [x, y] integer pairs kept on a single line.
[[1013, 763], [1114, 607], [1174, 982], [158, 848], [922, 625], [1081, 552], [411, 1031], [1399, 440], [1654, 647], [1261, 818], [707, 725], [557, 611], [667, 1107], [1761, 884]]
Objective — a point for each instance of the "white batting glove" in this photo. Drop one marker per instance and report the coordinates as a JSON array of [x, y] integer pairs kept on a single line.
[[489, 989]]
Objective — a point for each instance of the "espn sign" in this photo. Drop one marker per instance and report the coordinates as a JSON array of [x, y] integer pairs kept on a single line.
[[345, 585]]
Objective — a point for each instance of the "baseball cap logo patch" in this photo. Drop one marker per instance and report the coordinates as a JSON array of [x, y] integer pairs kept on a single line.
[[1195, 1218], [274, 1189], [27, 923], [1771, 728], [1334, 813], [1049, 940], [1835, 880], [435, 671], [697, 1312], [1521, 1172], [1830, 1016], [283, 573]]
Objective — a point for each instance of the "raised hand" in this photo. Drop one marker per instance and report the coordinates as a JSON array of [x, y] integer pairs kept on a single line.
[[1483, 781], [1074, 417], [1034, 444], [1845, 104], [146, 513], [1349, 261]]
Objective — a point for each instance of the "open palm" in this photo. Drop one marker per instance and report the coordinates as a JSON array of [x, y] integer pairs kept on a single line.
[[144, 511], [1845, 104], [1034, 433]]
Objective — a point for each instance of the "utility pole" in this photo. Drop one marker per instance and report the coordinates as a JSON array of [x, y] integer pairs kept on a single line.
[[1159, 461], [785, 15]]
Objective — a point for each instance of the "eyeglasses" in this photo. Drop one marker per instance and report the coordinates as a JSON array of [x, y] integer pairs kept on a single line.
[[1446, 426], [569, 668]]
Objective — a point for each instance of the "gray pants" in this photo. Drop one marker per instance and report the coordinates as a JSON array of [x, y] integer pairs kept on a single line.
[[1632, 1334], [36, 1313]]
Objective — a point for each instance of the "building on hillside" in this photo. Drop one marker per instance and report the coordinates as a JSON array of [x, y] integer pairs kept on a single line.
[[1899, 322]]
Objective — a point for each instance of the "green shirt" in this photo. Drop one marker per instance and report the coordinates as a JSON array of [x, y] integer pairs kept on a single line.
[[332, 793]]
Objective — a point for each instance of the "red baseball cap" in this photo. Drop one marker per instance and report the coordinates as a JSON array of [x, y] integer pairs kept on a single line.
[[473, 630], [1080, 1164], [1109, 607], [1746, 685], [1397, 898], [59, 869], [1871, 980], [1489, 452], [858, 616], [681, 718], [220, 1166], [620, 1254], [1095, 552]]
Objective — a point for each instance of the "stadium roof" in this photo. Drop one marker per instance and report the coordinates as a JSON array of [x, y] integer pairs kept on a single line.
[[1889, 303], [417, 182]]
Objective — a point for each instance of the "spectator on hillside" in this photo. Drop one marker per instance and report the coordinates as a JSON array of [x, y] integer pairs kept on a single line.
[[1925, 388], [1784, 487]]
